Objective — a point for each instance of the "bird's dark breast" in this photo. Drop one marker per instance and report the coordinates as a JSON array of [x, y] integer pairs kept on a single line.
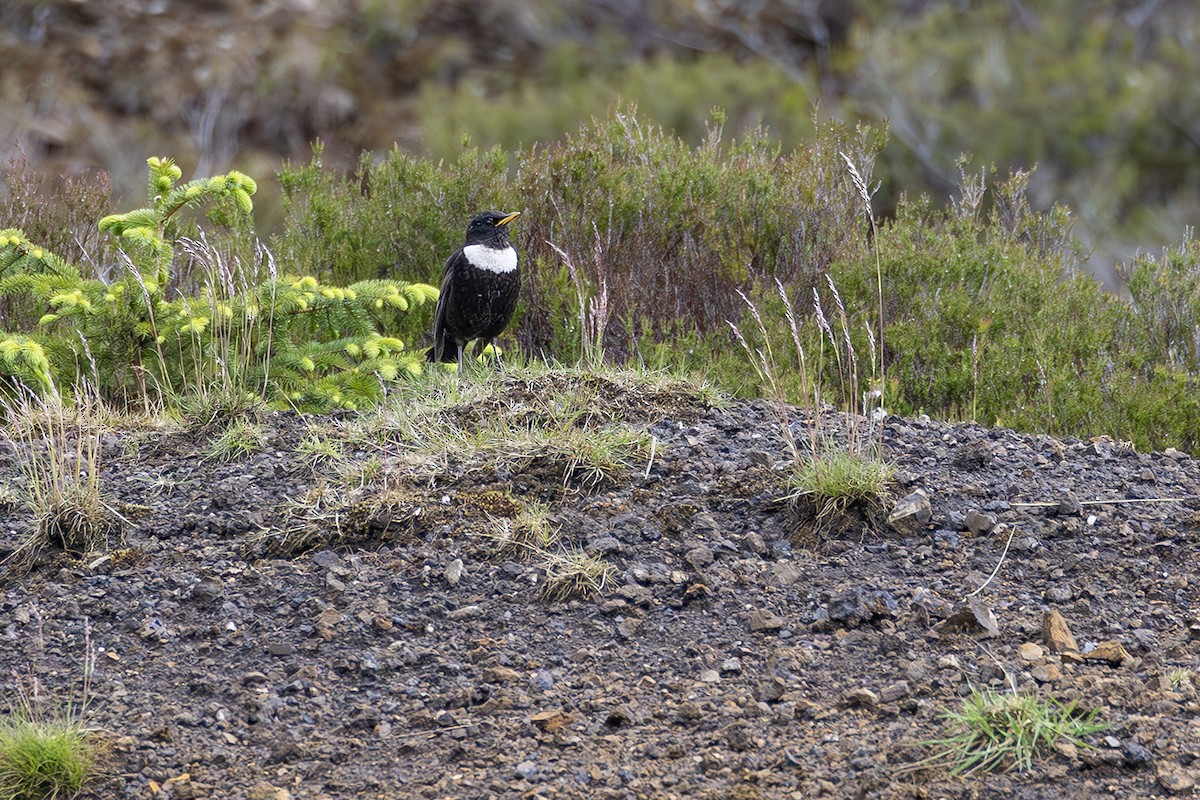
[[484, 301]]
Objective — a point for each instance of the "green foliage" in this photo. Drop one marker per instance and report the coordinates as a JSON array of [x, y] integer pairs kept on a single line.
[[395, 221], [396, 217], [989, 317], [59, 455], [574, 574], [247, 331], [651, 238], [46, 751], [833, 480], [44, 759], [674, 92], [1079, 88], [240, 439], [994, 730], [147, 233], [635, 245]]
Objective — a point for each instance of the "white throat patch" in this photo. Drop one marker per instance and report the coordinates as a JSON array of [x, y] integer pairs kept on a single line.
[[491, 259]]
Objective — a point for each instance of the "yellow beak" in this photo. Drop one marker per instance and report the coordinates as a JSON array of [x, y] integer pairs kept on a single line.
[[509, 218]]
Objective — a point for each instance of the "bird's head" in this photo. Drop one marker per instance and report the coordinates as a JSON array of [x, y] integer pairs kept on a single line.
[[490, 226]]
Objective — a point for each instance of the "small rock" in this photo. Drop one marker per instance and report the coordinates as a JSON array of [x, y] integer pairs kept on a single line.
[[858, 605], [466, 612], [1175, 455], [552, 720], [454, 572], [326, 624], [1173, 777], [604, 546], [895, 691], [911, 514], [527, 770], [699, 557], [207, 592], [1067, 749], [368, 664], [542, 681], [710, 676], [975, 617], [771, 689], [785, 573], [765, 621], [501, 675], [1030, 651], [1110, 651], [1136, 754], [265, 791], [638, 595], [628, 627], [731, 666], [1046, 673], [753, 543], [1068, 505], [328, 559], [979, 523], [862, 697], [973, 456], [1056, 633], [932, 603]]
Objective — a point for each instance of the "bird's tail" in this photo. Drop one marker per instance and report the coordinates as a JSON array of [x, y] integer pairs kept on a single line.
[[449, 352]]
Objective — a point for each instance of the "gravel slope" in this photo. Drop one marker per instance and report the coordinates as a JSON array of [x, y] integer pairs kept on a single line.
[[269, 629]]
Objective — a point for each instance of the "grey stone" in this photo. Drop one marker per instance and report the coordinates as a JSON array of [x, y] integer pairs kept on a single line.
[[765, 621], [911, 514]]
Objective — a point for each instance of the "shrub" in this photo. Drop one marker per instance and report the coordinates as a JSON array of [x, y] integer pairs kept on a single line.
[[662, 235], [245, 330]]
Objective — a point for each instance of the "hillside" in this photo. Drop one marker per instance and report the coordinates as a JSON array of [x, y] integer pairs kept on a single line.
[[334, 613]]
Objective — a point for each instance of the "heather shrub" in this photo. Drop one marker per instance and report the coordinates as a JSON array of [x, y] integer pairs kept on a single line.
[[661, 235]]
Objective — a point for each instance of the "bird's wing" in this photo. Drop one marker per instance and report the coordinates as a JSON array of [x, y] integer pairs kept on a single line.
[[439, 314]]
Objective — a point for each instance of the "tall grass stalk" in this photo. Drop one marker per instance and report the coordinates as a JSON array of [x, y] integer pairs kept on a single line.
[[877, 346], [593, 306], [46, 750], [837, 468], [58, 447], [229, 364]]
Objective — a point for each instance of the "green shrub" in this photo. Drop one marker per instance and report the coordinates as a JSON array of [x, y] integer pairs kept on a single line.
[[635, 245], [662, 235], [141, 339], [671, 91]]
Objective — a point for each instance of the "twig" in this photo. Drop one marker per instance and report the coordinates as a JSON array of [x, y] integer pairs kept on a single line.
[[999, 563], [653, 448], [1126, 501]]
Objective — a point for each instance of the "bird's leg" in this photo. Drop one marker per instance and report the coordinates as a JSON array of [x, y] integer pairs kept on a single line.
[[461, 348]]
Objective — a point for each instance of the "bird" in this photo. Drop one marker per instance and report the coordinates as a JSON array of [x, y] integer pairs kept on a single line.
[[479, 289]]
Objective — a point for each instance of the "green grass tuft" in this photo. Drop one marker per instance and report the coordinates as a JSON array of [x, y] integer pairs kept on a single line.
[[996, 730], [575, 574], [240, 439], [51, 759], [834, 480]]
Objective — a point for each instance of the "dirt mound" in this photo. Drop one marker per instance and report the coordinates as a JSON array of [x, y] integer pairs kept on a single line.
[[394, 650]]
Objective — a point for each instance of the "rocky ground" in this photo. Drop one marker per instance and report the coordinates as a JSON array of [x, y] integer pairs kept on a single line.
[[272, 628]]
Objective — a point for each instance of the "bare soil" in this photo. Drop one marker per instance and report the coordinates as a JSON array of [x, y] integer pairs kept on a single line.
[[256, 639]]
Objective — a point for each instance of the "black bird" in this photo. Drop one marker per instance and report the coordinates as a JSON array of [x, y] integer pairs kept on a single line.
[[479, 289]]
